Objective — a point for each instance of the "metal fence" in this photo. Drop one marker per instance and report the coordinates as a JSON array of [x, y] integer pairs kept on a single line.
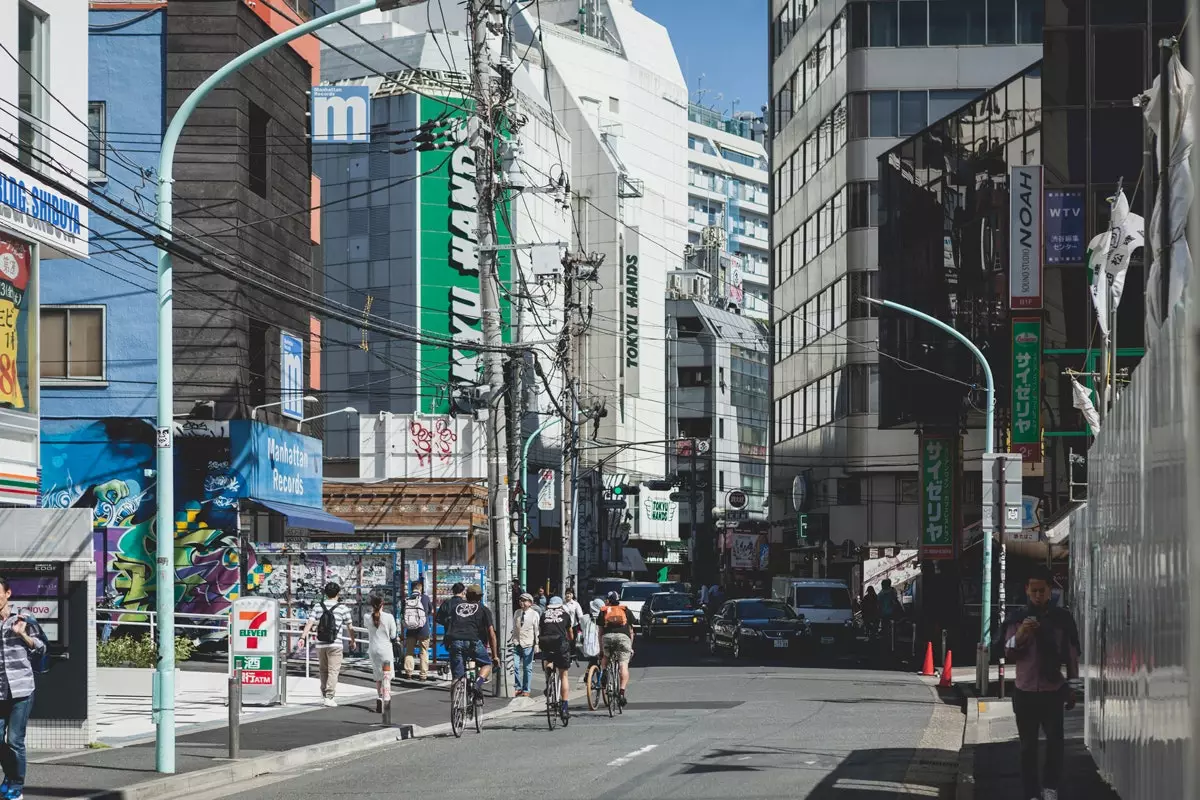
[[1129, 555]]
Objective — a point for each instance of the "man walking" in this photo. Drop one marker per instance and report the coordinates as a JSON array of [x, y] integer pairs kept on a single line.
[[17, 644], [418, 611], [331, 617], [523, 639], [1039, 640]]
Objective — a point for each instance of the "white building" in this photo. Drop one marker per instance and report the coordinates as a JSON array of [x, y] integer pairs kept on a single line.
[[849, 81], [727, 207]]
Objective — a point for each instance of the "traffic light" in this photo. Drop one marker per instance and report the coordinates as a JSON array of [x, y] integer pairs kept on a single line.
[[660, 486], [625, 489]]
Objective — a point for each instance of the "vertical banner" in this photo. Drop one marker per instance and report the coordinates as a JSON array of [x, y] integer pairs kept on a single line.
[[14, 280], [630, 313], [1064, 227], [254, 624], [937, 496], [291, 375], [1027, 389], [1025, 238]]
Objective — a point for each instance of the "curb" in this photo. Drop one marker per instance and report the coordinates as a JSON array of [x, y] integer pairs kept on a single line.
[[964, 785], [189, 783]]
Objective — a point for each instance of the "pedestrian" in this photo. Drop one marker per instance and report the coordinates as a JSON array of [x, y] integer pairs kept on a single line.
[[517, 591], [870, 609], [890, 607], [542, 599], [418, 611], [525, 627], [19, 641], [1038, 640], [572, 607], [703, 595], [381, 634], [331, 618]]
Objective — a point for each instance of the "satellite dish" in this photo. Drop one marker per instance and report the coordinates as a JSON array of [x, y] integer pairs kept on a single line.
[[799, 492]]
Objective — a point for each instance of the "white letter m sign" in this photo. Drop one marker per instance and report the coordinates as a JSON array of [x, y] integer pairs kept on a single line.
[[341, 114]]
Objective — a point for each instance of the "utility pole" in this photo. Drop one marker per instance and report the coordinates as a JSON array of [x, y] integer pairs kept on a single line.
[[483, 143], [693, 487]]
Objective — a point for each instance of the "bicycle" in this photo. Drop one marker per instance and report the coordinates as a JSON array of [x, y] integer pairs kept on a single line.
[[553, 704], [612, 688], [460, 709], [595, 686]]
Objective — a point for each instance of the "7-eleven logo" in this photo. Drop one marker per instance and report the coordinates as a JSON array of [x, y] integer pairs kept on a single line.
[[255, 623]]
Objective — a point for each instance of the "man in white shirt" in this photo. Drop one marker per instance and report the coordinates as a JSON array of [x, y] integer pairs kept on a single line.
[[331, 618]]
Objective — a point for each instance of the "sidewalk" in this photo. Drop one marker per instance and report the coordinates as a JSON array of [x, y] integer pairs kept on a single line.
[[267, 744], [991, 754]]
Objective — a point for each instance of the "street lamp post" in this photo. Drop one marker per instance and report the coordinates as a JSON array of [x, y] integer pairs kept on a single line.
[[164, 676], [983, 650]]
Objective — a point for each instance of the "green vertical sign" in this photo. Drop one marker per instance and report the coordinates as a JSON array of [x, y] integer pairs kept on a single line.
[[937, 496], [448, 300], [1026, 435]]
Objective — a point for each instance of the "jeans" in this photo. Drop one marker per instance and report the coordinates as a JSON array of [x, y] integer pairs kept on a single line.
[[14, 716], [522, 667], [461, 650], [330, 661], [1034, 711]]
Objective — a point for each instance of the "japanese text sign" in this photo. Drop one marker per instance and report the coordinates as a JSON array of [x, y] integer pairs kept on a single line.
[[937, 497], [1027, 389], [14, 279]]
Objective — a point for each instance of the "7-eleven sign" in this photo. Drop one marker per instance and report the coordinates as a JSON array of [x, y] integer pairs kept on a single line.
[[254, 634], [252, 626]]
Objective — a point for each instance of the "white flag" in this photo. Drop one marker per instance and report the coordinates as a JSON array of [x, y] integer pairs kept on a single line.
[[1082, 399], [1109, 254]]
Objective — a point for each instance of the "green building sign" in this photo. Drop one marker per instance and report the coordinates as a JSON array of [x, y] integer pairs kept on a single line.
[[1026, 435], [937, 496], [448, 262]]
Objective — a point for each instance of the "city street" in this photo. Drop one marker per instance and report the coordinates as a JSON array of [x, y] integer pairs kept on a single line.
[[696, 727]]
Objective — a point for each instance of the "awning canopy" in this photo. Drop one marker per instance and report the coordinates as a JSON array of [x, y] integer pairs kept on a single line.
[[306, 517], [631, 561], [417, 541]]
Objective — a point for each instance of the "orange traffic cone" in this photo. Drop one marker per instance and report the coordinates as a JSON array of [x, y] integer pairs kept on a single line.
[[944, 683], [927, 670]]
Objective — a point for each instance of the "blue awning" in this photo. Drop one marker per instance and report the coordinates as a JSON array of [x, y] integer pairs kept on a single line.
[[306, 517]]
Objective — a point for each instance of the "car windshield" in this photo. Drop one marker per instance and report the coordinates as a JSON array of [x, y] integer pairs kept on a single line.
[[827, 597], [765, 609], [673, 587], [604, 587], [639, 592], [671, 602]]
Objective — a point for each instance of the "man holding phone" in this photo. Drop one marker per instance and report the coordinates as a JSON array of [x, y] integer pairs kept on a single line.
[[18, 641], [1039, 640]]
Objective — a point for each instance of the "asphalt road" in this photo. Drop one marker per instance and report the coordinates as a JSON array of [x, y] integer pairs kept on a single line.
[[696, 727]]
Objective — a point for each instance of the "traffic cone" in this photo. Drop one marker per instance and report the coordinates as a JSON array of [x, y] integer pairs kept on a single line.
[[944, 683], [927, 670]]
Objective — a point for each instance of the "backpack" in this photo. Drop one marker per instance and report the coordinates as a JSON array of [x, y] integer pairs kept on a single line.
[[589, 643], [887, 603], [615, 617], [327, 627], [414, 614]]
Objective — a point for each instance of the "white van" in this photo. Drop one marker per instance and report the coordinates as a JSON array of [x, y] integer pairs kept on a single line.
[[825, 603]]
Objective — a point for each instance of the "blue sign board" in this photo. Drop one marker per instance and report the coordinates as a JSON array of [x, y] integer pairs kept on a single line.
[[291, 376], [341, 114], [276, 464], [1064, 227]]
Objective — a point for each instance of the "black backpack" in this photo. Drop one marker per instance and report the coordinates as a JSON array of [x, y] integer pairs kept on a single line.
[[327, 628]]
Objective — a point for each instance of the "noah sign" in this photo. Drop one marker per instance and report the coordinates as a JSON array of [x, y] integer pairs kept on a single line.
[[1025, 238]]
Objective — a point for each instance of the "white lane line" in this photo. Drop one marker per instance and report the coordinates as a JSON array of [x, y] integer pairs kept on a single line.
[[625, 759]]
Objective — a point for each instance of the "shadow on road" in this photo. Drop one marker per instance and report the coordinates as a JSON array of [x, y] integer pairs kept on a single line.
[[890, 773]]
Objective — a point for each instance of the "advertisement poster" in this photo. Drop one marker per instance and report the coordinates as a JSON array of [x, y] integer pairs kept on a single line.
[[937, 497], [1065, 227], [1027, 390], [743, 552], [14, 279]]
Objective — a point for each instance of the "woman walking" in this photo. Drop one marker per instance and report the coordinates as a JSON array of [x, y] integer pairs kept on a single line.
[[381, 633]]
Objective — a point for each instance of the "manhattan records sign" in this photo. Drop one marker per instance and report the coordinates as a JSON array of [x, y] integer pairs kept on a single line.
[[341, 114], [1027, 390], [630, 312], [937, 496], [291, 376], [1025, 238]]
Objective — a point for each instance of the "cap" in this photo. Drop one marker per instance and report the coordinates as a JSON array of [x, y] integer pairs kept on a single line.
[[526, 596], [555, 601], [613, 597]]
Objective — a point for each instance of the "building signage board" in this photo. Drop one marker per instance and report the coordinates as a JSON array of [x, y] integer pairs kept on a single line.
[[341, 114], [631, 315], [743, 550], [254, 633], [657, 516], [546, 490], [1064, 227], [1025, 238], [1027, 389], [448, 262], [937, 497], [291, 375], [276, 464], [15, 266], [30, 209]]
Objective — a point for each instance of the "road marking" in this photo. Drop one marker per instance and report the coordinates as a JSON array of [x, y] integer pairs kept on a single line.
[[625, 759]]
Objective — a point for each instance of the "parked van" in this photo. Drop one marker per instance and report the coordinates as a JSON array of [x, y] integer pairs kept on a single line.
[[826, 604]]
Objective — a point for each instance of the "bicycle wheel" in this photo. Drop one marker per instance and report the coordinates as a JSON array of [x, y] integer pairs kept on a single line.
[[615, 690], [551, 698], [458, 706], [595, 691], [612, 688]]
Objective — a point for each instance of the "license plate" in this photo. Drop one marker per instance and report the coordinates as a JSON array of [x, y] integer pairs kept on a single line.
[[781, 643], [826, 640]]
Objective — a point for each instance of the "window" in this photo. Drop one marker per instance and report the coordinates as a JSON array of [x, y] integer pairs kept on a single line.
[[913, 23], [873, 387], [954, 22], [862, 284], [614, 105], [860, 401], [882, 27], [944, 102], [883, 113], [97, 138], [849, 492], [1001, 27], [72, 343], [908, 490], [913, 112], [859, 115], [721, 427], [692, 377], [31, 78], [1029, 21], [258, 362], [259, 162]]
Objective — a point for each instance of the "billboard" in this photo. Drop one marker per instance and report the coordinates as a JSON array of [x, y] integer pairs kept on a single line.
[[1025, 238], [448, 261], [937, 496], [1065, 227], [1027, 389], [291, 375], [341, 114]]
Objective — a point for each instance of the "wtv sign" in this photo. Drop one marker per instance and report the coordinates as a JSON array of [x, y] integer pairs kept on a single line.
[[341, 114]]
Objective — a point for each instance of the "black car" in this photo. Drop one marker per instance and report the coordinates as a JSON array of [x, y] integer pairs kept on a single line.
[[672, 614], [759, 626]]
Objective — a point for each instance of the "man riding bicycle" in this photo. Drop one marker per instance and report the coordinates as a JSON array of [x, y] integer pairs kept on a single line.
[[557, 633], [468, 623], [616, 627]]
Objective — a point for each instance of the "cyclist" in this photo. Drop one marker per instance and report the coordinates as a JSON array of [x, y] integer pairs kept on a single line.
[[468, 624], [616, 625], [557, 633]]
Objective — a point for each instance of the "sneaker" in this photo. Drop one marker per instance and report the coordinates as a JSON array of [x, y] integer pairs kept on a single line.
[[12, 793], [1049, 794], [622, 699], [329, 702]]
